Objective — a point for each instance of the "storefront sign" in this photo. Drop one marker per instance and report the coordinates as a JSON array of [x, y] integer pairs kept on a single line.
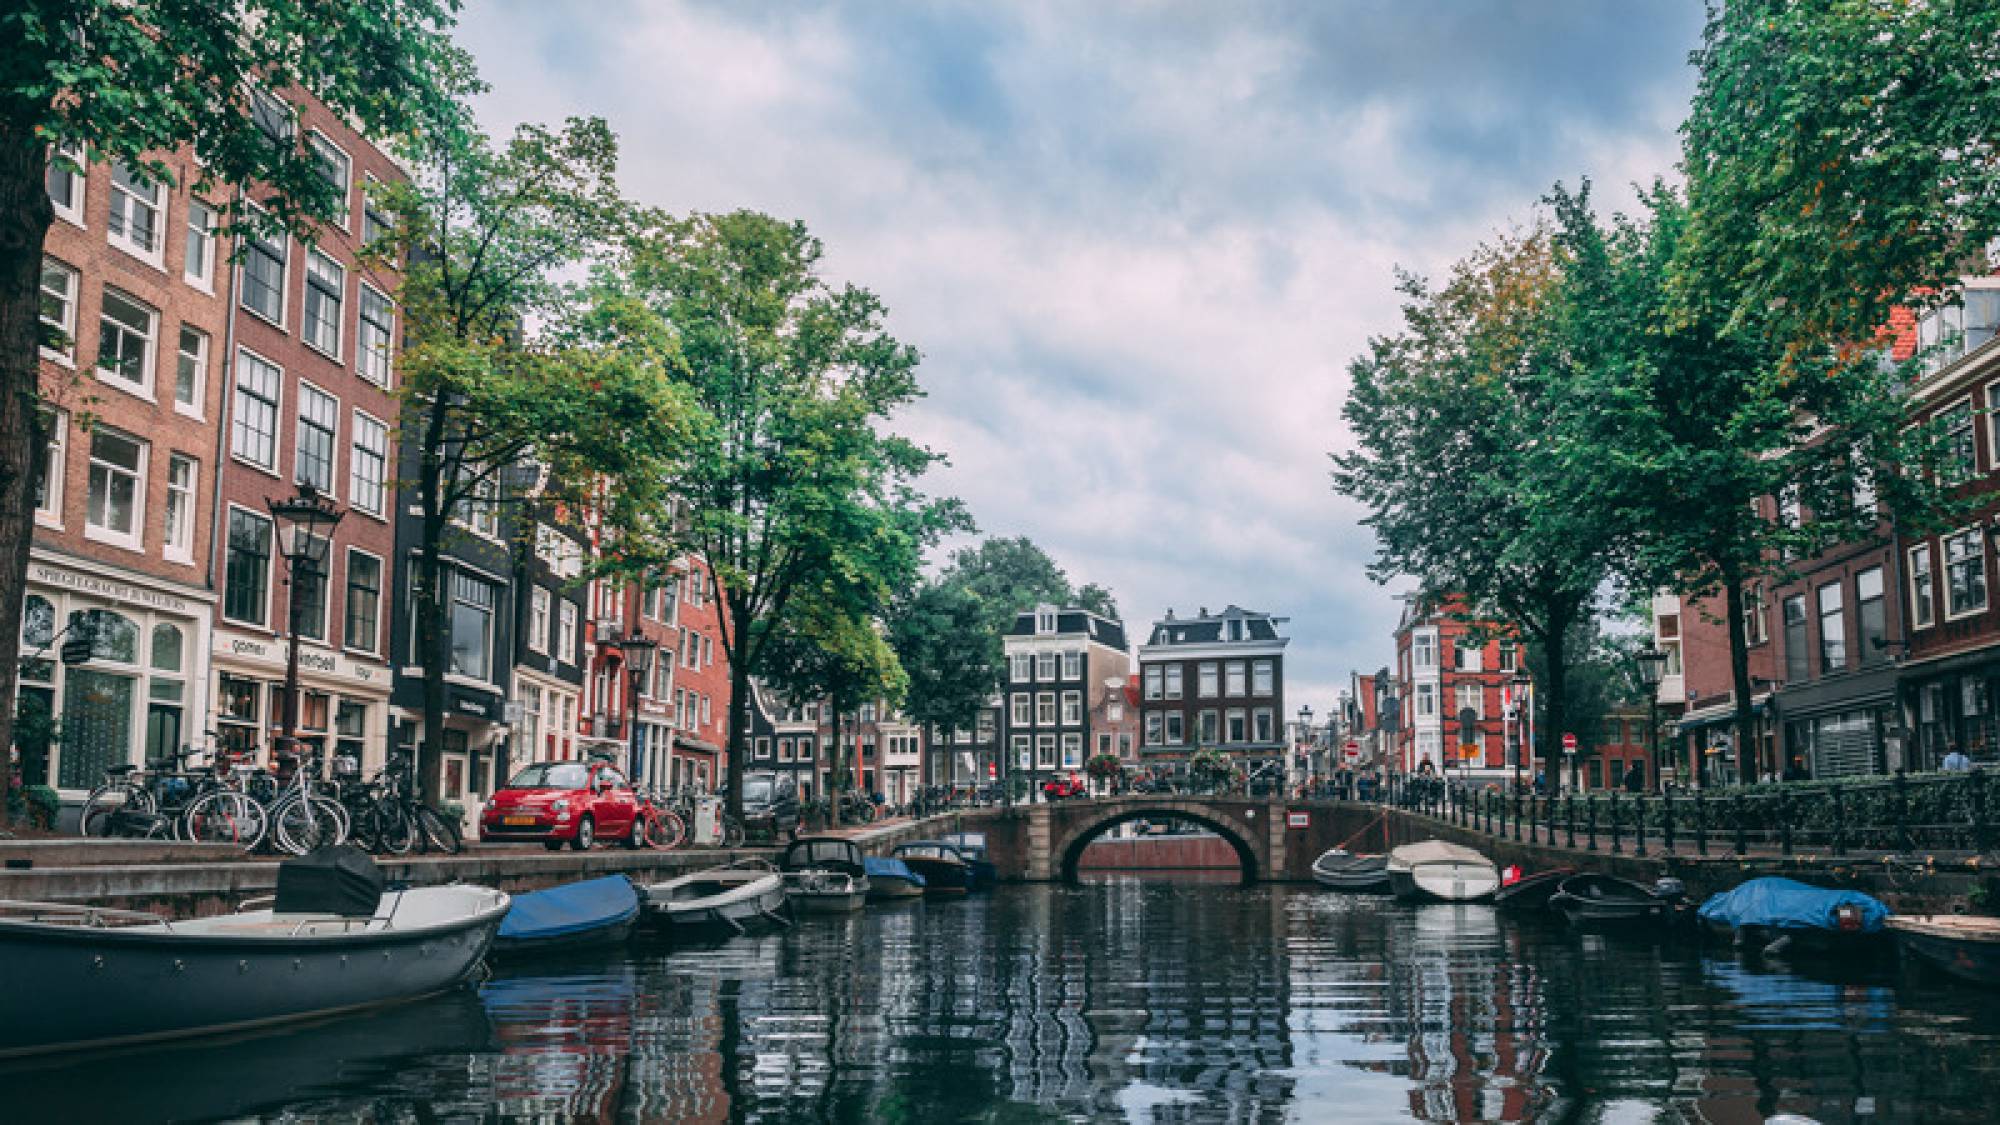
[[313, 660], [470, 706], [111, 590]]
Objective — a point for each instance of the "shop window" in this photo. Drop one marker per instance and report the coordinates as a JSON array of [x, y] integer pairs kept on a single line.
[[350, 729], [112, 636], [167, 648], [97, 726]]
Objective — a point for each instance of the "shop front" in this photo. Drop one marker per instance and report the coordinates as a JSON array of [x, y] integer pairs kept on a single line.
[[343, 703], [114, 661], [695, 764], [1950, 702], [476, 756], [1707, 737], [1846, 726]]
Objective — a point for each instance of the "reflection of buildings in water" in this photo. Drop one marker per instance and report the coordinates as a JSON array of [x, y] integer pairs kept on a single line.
[[686, 1058], [563, 1042]]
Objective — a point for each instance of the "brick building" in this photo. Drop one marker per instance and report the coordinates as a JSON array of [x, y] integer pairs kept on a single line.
[[699, 712], [1458, 680], [1213, 682], [1059, 663]]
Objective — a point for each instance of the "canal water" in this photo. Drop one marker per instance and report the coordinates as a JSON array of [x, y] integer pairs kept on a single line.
[[1141, 1001]]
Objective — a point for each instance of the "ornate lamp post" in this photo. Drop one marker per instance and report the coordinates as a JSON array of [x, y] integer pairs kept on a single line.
[[1305, 738], [639, 650], [1523, 745], [305, 524], [1652, 664]]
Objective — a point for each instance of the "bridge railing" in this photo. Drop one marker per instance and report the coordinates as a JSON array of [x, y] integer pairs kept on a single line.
[[1902, 813]]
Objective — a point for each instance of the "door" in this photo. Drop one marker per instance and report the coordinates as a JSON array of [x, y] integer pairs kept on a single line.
[[96, 727]]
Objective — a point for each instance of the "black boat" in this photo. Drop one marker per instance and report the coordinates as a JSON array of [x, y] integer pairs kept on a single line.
[[1592, 901], [1962, 946], [1341, 870], [1520, 890]]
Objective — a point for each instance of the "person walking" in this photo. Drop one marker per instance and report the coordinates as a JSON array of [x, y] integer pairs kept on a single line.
[[1956, 761]]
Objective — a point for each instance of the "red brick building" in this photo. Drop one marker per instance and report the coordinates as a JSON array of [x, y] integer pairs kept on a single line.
[[1456, 678], [700, 703]]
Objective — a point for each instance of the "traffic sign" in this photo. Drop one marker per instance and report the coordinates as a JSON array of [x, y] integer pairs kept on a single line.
[[1569, 743]]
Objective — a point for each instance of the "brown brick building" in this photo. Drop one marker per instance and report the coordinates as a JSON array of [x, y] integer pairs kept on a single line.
[[1213, 682]]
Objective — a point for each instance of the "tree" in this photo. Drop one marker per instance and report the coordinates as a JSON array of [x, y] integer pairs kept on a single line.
[[939, 633], [1841, 156], [1473, 483], [1601, 677], [792, 489], [126, 80], [828, 652], [504, 368], [1007, 576]]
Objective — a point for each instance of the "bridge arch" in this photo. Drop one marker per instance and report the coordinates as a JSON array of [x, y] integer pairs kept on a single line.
[[1084, 822]]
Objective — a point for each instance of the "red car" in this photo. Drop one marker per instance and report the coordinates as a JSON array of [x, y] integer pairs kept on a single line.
[[577, 803]]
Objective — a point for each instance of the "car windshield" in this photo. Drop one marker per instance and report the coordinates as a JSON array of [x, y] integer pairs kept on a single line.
[[551, 775], [757, 790]]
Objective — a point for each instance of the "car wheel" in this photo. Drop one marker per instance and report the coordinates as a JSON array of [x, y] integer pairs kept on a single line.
[[636, 838], [586, 834]]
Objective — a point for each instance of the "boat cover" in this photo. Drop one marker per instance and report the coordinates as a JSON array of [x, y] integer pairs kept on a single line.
[[1435, 851], [338, 879], [570, 908], [891, 869], [1787, 904]]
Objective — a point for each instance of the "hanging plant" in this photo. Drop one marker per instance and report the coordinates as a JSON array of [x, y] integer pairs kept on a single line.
[[1210, 768], [1104, 767]]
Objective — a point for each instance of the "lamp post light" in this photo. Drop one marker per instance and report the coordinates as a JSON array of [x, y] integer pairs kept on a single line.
[[309, 518], [1305, 738], [1652, 664], [1523, 746], [639, 650]]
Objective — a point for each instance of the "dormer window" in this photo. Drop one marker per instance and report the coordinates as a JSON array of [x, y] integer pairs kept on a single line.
[[1236, 628], [1045, 621]]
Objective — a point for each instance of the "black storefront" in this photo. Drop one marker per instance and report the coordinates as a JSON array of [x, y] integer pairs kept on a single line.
[[1843, 726]]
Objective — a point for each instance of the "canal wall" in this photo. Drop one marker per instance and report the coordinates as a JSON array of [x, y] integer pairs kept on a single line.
[[1159, 853]]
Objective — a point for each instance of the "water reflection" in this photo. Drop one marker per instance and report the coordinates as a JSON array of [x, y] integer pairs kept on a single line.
[[1124, 1000]]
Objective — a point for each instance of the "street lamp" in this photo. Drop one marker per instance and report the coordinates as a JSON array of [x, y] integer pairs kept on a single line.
[[1652, 664], [305, 524], [1305, 734], [1523, 745], [638, 649]]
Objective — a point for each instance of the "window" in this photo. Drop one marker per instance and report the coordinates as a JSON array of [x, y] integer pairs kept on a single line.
[[1154, 727], [479, 510], [1832, 629], [1468, 657], [1510, 658], [1072, 707], [326, 289], [374, 336], [763, 752], [190, 369], [368, 465], [134, 223], [271, 115], [375, 222], [253, 429], [364, 601], [1072, 665], [1263, 725], [1173, 681], [1423, 650], [1154, 679], [1923, 609], [1045, 752], [319, 418], [1797, 663], [309, 588], [1021, 668], [1176, 728], [1864, 482], [566, 633], [1957, 460], [539, 612], [1754, 629], [471, 612], [1263, 677], [1045, 621], [1021, 709], [65, 181], [264, 276], [1234, 678], [177, 536], [247, 578], [1870, 615], [1045, 709], [1235, 725], [198, 258], [1208, 727], [117, 487], [336, 169], [1072, 751], [1964, 573], [1235, 628], [1045, 667], [125, 342], [58, 311], [1426, 701], [1208, 679], [1470, 697], [49, 482]]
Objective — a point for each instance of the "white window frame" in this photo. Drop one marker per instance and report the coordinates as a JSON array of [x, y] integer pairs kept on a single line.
[[1959, 417], [1978, 536], [1045, 709], [80, 179], [277, 409], [135, 539], [1263, 677], [314, 142], [359, 487], [247, 246], [1073, 664], [374, 645], [1072, 751], [368, 357], [69, 304], [1021, 668], [540, 609], [1176, 680], [1072, 707], [150, 362], [125, 201], [1021, 708], [1045, 667], [1154, 679], [1923, 598], [1236, 679], [192, 409], [177, 534], [196, 233], [55, 469], [566, 632], [1045, 751], [1474, 692], [319, 401], [317, 270]]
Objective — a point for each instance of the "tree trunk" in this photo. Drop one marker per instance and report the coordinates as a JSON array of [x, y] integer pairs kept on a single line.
[[25, 214], [1555, 649], [739, 707], [1739, 678], [434, 649]]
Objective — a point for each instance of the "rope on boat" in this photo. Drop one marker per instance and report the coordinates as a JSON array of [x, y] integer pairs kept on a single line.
[[1380, 818]]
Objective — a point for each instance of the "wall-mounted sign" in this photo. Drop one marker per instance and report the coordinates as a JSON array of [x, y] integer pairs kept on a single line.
[[1298, 819]]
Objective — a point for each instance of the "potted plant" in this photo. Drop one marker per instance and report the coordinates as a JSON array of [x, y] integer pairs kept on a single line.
[[1210, 768], [1105, 769]]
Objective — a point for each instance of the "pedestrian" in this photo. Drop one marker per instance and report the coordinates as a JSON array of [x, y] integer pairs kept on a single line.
[[1956, 761]]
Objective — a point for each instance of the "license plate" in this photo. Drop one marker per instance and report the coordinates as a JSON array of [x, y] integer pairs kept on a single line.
[[517, 820]]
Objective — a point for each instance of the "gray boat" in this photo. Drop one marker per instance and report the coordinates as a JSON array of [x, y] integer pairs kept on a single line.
[[825, 875], [720, 901], [76, 976]]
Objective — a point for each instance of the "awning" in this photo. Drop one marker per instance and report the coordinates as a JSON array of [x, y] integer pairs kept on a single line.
[[697, 745], [1956, 662], [1695, 722]]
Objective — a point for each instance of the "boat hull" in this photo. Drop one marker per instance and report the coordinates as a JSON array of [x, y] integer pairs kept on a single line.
[[1531, 892], [1444, 882], [942, 879], [888, 888], [1351, 873], [1602, 902], [614, 933], [826, 892], [71, 988], [1969, 956], [754, 906]]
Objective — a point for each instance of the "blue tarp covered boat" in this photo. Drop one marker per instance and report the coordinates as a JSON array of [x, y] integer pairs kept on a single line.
[[891, 878], [572, 916], [1774, 915]]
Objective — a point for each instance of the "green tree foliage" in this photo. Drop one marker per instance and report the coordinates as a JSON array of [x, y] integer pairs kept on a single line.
[[940, 632], [1471, 482], [1841, 156], [132, 80], [792, 489], [516, 392], [827, 651]]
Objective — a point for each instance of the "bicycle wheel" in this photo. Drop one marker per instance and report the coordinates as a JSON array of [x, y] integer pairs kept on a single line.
[[437, 832], [225, 816], [666, 830], [304, 823], [102, 809], [391, 829]]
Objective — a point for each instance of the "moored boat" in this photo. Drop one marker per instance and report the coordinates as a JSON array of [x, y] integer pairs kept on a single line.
[[944, 869], [588, 914], [1593, 901], [1961, 945], [1779, 916], [825, 875], [1340, 870], [1436, 871], [331, 941], [972, 847], [719, 901], [1529, 890], [890, 879]]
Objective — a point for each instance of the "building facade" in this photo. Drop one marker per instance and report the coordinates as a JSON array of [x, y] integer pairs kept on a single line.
[[1059, 662], [1461, 704], [1213, 682]]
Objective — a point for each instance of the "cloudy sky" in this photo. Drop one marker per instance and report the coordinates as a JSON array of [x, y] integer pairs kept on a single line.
[[1136, 242]]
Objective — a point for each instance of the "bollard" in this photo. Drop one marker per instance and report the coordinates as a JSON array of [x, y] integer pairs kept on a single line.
[[1517, 817], [1617, 847], [1701, 821], [1590, 822], [1839, 821], [1667, 821], [1569, 817], [1742, 829], [1639, 826]]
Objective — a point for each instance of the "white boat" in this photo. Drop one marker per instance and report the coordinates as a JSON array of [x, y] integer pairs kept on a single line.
[[825, 875], [720, 900], [78, 976], [1435, 871]]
